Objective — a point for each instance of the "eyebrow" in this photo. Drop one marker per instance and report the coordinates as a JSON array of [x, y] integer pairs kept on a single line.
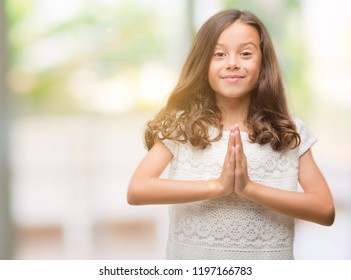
[[241, 45]]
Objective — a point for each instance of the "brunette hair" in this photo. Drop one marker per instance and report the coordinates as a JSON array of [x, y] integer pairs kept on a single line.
[[191, 108]]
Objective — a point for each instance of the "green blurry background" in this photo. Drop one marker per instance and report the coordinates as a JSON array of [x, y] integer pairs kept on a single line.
[[79, 79]]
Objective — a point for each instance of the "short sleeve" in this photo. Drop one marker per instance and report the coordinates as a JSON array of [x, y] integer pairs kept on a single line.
[[306, 135], [171, 145]]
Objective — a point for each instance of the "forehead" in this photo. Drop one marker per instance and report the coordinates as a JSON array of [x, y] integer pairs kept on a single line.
[[239, 33]]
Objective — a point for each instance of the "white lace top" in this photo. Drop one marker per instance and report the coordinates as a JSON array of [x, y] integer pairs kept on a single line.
[[232, 227]]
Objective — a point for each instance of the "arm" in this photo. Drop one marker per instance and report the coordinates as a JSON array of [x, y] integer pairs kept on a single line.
[[315, 204], [147, 188]]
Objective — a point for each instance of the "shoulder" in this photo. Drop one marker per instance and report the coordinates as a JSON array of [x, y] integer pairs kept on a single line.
[[308, 138], [300, 124], [302, 127], [171, 145]]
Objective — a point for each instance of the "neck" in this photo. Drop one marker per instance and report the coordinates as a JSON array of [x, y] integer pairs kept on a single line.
[[234, 112]]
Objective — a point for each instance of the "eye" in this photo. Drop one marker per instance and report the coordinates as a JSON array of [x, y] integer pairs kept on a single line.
[[219, 54], [246, 53]]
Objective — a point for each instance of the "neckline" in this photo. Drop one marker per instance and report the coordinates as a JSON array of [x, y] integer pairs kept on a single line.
[[241, 131], [225, 133], [244, 135]]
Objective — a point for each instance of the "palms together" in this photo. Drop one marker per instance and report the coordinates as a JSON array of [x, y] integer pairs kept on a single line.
[[234, 176]]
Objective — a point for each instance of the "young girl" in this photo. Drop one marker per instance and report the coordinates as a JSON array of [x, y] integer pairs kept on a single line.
[[236, 155]]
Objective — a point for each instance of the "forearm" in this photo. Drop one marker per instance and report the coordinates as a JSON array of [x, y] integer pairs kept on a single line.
[[301, 205], [146, 186], [162, 191]]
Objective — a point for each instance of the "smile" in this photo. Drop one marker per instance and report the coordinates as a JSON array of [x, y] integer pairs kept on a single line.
[[233, 78]]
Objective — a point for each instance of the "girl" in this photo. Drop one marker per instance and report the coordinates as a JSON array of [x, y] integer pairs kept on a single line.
[[236, 155]]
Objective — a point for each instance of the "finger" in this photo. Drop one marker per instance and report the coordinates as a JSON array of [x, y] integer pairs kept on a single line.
[[232, 159], [230, 170], [240, 174], [238, 140], [229, 164], [238, 155], [240, 158], [233, 149], [230, 140]]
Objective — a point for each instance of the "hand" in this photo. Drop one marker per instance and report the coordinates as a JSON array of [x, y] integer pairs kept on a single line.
[[226, 179], [241, 175]]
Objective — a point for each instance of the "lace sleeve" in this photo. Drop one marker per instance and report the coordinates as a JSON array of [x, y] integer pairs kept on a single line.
[[171, 145], [306, 135]]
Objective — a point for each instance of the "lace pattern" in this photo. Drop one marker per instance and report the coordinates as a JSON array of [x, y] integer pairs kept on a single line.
[[232, 227]]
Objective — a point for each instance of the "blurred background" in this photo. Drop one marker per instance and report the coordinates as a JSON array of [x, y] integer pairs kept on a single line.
[[78, 81]]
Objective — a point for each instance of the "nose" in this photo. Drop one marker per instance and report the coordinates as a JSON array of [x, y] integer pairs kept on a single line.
[[232, 63]]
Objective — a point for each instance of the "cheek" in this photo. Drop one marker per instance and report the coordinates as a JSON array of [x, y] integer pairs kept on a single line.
[[255, 70], [212, 82], [212, 73]]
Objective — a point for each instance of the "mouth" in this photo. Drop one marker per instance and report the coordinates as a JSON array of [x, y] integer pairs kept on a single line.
[[233, 78]]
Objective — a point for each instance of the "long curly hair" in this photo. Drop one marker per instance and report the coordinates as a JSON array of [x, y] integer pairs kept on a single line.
[[191, 107]]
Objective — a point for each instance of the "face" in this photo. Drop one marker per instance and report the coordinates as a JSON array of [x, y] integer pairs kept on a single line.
[[235, 64]]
